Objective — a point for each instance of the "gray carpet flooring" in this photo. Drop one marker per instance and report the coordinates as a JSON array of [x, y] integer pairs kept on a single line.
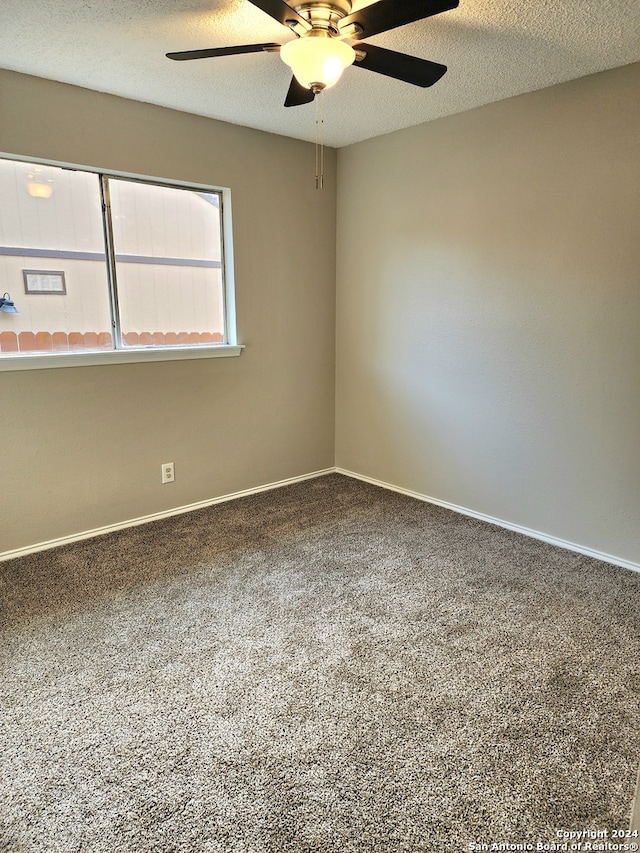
[[325, 668]]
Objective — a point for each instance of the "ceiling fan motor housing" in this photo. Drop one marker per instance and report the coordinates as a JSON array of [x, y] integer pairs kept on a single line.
[[324, 17]]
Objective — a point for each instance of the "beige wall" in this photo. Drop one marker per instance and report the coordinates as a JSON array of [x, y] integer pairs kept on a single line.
[[82, 447], [489, 311]]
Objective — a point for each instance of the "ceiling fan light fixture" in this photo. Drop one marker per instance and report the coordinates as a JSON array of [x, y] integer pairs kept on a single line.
[[317, 61]]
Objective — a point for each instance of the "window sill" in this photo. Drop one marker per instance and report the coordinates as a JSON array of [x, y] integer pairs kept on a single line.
[[38, 361]]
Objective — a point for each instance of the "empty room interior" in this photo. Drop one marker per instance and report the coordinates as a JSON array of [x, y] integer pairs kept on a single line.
[[357, 569]]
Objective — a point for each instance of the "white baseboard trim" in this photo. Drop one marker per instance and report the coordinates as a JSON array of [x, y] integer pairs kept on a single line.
[[526, 531], [157, 516], [180, 510]]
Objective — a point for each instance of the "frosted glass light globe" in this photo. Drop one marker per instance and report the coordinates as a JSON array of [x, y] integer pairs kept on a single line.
[[317, 60]]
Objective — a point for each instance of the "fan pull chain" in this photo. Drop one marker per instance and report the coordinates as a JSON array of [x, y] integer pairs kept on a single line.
[[319, 102]]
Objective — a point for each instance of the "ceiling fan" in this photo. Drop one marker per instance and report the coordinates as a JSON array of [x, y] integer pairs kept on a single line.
[[321, 51]]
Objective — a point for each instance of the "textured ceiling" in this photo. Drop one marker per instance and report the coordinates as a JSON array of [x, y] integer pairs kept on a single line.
[[493, 48]]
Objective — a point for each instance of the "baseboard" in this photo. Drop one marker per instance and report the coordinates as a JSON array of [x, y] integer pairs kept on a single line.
[[157, 516], [526, 531], [145, 519]]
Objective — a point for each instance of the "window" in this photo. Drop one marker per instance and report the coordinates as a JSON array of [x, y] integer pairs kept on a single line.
[[140, 266]]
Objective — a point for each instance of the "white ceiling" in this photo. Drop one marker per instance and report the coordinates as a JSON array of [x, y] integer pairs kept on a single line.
[[493, 48]]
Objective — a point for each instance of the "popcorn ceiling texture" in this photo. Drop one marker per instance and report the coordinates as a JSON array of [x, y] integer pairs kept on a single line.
[[324, 668], [494, 49]]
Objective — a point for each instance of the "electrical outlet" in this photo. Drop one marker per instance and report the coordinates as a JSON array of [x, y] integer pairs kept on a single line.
[[168, 474]]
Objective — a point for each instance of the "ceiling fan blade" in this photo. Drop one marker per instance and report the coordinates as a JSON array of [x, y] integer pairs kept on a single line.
[[388, 14], [221, 51], [411, 69], [298, 95], [282, 12]]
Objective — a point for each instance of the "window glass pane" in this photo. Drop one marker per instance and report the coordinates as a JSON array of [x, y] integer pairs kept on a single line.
[[168, 250], [52, 261]]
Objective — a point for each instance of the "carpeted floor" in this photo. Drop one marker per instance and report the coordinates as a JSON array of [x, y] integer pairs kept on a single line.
[[325, 668]]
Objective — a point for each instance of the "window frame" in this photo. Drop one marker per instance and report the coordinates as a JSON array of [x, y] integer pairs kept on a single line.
[[133, 354]]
